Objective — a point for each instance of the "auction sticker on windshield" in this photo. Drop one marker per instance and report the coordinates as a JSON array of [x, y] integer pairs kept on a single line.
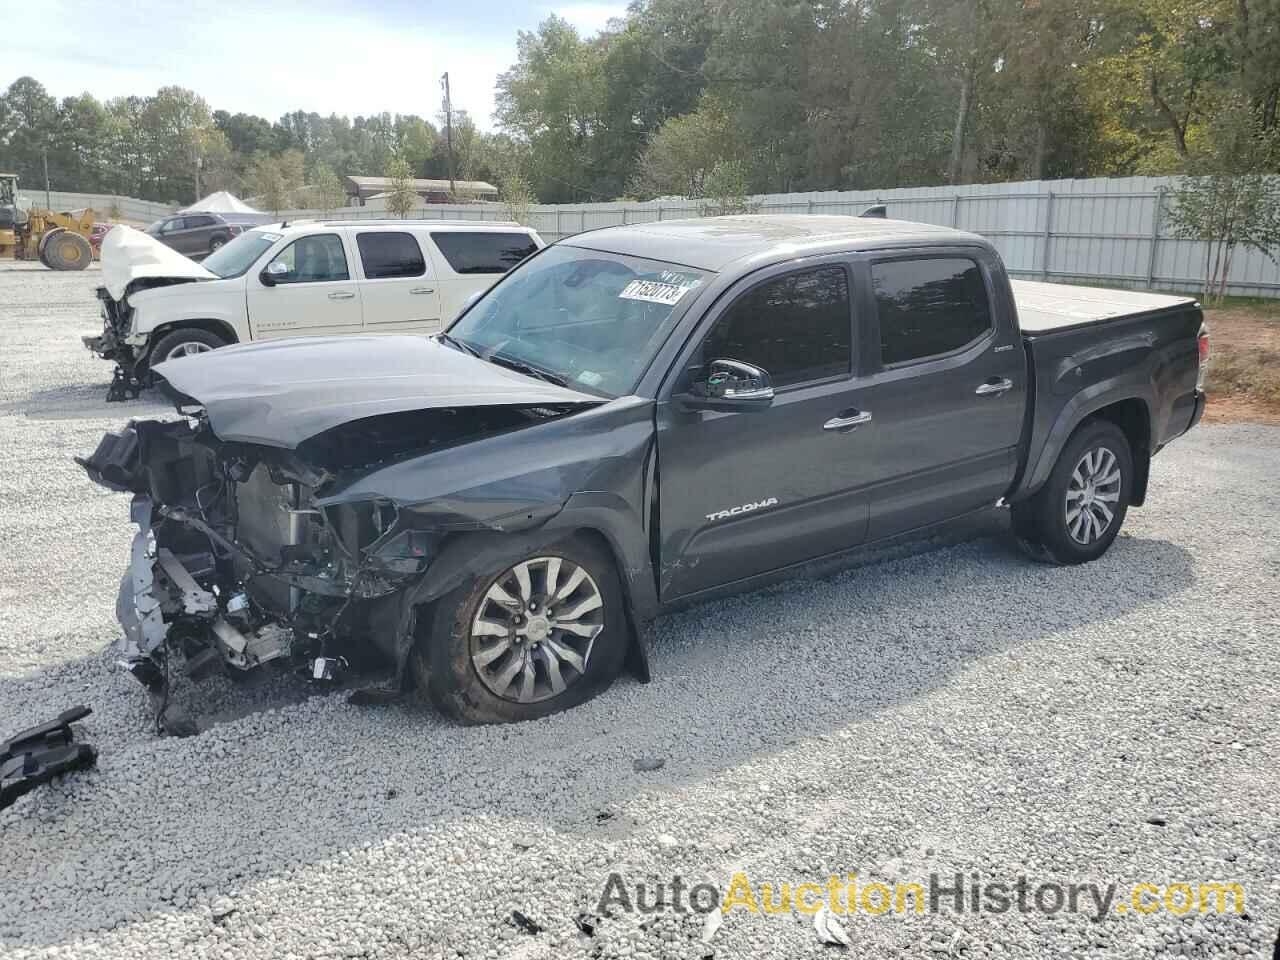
[[652, 291]]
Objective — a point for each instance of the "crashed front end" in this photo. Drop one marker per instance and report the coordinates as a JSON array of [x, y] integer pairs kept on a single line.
[[234, 567]]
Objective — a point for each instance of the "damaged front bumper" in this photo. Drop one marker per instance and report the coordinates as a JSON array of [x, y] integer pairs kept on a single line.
[[233, 569], [128, 376]]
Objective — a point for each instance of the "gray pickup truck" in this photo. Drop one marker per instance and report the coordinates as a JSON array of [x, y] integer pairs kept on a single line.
[[632, 419]]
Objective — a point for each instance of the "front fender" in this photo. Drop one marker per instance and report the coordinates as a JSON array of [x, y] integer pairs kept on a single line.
[[475, 554], [158, 310]]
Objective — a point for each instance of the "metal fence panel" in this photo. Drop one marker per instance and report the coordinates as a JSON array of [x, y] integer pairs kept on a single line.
[[1107, 231]]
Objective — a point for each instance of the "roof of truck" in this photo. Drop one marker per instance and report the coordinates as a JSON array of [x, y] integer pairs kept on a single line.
[[713, 243]]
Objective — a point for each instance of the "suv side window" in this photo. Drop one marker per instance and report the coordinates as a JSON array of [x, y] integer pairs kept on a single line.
[[386, 255], [469, 252], [312, 259], [796, 327], [177, 223], [929, 307], [192, 222]]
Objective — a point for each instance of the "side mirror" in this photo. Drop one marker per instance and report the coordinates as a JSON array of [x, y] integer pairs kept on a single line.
[[729, 386], [273, 273]]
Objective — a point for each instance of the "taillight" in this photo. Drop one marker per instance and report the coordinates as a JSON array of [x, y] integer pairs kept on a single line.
[[1202, 345]]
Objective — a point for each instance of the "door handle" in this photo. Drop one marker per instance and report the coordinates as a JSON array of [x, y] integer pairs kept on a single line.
[[845, 423], [994, 387], [420, 290], [342, 295]]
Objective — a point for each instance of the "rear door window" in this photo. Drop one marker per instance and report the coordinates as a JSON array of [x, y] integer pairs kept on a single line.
[[390, 255], [193, 222], [929, 307], [474, 252]]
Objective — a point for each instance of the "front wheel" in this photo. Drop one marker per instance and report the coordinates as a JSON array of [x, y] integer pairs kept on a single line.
[[1076, 515], [538, 636], [189, 342]]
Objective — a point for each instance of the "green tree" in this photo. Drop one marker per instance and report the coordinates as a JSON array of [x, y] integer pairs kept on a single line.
[[402, 196], [726, 187], [274, 180], [682, 153], [1231, 199], [553, 98], [327, 193], [517, 196]]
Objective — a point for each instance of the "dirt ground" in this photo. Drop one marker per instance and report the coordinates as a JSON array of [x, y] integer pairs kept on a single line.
[[1244, 365]]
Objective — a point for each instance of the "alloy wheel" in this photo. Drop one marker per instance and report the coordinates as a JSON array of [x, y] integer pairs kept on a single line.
[[1092, 495], [188, 348], [534, 628]]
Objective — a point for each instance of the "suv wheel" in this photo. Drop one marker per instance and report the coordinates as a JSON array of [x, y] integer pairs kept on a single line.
[[538, 636], [215, 243], [184, 343], [1077, 514]]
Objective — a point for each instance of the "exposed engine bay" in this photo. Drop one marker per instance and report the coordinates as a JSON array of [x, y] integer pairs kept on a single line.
[[242, 561]]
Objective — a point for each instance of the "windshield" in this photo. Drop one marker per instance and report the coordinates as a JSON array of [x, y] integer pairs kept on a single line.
[[234, 258], [590, 319]]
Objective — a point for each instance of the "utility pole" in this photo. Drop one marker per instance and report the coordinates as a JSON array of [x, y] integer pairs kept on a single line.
[[48, 200], [198, 164], [448, 131]]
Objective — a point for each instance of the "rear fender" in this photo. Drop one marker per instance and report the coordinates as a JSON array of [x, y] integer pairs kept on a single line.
[[1079, 408]]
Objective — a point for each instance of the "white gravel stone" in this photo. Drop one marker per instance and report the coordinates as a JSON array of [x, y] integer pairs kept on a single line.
[[957, 711]]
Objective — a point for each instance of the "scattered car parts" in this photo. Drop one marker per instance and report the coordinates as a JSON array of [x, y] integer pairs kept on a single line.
[[37, 755]]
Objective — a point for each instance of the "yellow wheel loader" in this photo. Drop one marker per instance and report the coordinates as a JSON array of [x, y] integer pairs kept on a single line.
[[58, 240]]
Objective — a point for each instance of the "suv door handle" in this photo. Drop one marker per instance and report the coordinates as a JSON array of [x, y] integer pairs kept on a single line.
[[857, 418], [342, 295], [994, 387], [418, 290]]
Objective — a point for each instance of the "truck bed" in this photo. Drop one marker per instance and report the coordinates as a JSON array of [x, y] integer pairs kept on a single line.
[[1050, 307]]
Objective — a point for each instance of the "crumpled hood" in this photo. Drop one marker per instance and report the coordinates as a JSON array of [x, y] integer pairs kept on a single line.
[[280, 393], [129, 255]]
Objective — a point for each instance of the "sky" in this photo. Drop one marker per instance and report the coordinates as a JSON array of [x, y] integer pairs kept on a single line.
[[268, 58]]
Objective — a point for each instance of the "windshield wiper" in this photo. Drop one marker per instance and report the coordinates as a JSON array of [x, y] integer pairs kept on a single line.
[[527, 368], [460, 344]]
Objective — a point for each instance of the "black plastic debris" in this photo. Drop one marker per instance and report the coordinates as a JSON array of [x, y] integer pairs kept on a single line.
[[518, 919], [37, 755]]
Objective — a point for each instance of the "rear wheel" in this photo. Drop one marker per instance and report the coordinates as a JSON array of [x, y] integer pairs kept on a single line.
[[64, 250], [1076, 515], [539, 636], [215, 243]]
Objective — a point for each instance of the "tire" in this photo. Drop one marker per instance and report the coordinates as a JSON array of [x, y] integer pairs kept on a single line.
[[185, 341], [64, 250], [1051, 527], [463, 675], [215, 243]]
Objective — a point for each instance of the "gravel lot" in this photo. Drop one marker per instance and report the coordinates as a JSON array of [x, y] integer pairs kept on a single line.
[[956, 710]]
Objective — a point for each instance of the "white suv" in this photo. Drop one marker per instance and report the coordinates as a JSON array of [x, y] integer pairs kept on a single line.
[[301, 278]]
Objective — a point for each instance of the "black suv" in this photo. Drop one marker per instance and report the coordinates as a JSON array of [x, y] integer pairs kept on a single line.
[[199, 234]]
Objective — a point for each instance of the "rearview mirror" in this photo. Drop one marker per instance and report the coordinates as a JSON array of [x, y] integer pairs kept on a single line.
[[729, 385]]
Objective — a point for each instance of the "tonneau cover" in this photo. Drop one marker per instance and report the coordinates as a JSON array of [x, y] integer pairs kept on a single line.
[[1043, 307], [129, 255]]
